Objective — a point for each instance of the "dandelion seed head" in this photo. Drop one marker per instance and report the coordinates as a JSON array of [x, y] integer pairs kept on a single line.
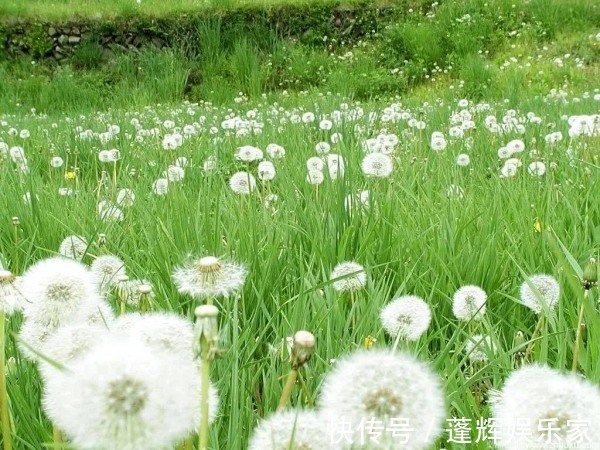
[[209, 277], [377, 165], [349, 276], [381, 385], [242, 183], [74, 247], [469, 303], [406, 317], [548, 293]]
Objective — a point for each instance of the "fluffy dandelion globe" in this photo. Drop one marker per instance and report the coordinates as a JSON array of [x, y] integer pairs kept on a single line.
[[381, 386], [537, 168], [322, 148], [348, 276], [536, 399], [56, 162], [516, 146], [57, 289], [174, 174], [469, 303], [266, 170], [377, 165], [275, 151], [108, 268], [248, 153], [508, 170], [478, 348], [463, 160], [294, 429], [74, 247], [242, 183], [438, 144], [540, 292], [315, 177], [406, 317], [126, 395], [160, 186], [209, 277], [504, 153], [164, 331], [126, 198], [11, 299], [315, 163]]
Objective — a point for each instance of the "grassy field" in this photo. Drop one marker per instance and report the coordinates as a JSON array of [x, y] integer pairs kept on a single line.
[[440, 220]]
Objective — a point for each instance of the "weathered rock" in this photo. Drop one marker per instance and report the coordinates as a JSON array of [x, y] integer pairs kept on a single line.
[[63, 39], [52, 32], [74, 39]]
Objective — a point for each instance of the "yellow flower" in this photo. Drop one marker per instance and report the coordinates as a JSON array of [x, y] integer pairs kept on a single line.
[[369, 341], [537, 226], [70, 175]]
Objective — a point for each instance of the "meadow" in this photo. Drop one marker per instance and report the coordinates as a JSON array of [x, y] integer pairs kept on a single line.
[[395, 197]]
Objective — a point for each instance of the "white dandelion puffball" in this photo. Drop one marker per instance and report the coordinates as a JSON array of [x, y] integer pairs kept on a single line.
[[406, 317], [58, 290], [478, 348], [174, 174], [463, 160], [322, 147], [275, 151], [377, 165], [516, 146], [69, 343], [293, 429], [384, 386], [11, 299], [125, 198], [266, 170], [165, 331], [438, 143], [248, 153], [469, 303], [537, 168], [315, 177], [315, 163], [126, 395], [108, 268], [74, 247], [537, 398], [539, 292], [56, 162], [348, 276], [242, 183], [160, 186], [209, 277]]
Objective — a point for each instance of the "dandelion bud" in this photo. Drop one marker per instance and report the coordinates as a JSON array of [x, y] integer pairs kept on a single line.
[[207, 330], [144, 289], [590, 274], [16, 221], [303, 348], [101, 239]]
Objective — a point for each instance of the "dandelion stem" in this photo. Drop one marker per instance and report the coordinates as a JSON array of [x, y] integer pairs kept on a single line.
[[6, 431], [353, 316], [579, 332], [123, 307], [396, 342], [57, 438], [188, 444], [16, 234], [287, 390], [205, 379], [537, 330], [309, 397]]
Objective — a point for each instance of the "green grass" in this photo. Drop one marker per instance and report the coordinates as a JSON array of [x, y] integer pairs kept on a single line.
[[413, 239], [66, 9]]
